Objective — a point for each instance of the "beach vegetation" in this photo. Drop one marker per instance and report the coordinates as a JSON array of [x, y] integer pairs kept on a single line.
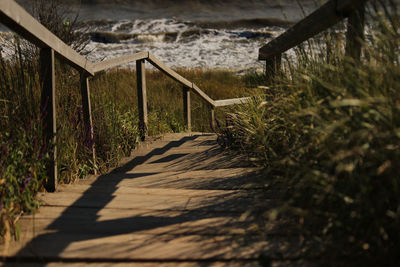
[[327, 128], [115, 120], [24, 152]]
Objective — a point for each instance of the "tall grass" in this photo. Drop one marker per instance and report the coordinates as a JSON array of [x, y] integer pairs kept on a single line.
[[115, 119], [22, 150], [330, 128], [114, 109]]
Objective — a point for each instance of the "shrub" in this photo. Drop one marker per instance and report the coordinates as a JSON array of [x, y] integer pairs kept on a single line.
[[330, 129]]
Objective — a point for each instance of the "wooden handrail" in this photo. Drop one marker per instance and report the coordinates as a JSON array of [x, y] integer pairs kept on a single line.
[[203, 95], [115, 62], [16, 18], [168, 71], [234, 101], [326, 16]]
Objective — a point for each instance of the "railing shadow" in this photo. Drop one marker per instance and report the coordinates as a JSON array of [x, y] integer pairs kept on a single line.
[[67, 229]]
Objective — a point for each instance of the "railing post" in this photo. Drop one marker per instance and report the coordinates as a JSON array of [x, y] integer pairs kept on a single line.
[[142, 97], [273, 66], [355, 32], [186, 108], [212, 118], [87, 117], [48, 110]]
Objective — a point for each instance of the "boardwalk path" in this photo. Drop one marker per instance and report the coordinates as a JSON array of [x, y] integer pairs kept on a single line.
[[179, 200]]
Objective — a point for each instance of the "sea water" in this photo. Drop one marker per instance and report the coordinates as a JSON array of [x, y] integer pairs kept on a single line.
[[208, 34]]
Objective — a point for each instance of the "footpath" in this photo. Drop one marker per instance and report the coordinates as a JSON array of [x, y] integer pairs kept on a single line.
[[179, 200]]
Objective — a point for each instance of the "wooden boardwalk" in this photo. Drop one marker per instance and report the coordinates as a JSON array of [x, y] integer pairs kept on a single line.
[[177, 201]]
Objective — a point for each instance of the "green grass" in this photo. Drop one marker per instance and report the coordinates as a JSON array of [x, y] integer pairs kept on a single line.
[[330, 129]]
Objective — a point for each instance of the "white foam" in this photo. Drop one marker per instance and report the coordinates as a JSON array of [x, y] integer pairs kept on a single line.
[[220, 49], [157, 26]]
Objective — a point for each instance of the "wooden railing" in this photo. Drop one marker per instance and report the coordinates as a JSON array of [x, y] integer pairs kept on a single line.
[[17, 19], [320, 20]]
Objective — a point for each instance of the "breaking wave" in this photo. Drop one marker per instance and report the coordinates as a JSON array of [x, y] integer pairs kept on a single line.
[[190, 44]]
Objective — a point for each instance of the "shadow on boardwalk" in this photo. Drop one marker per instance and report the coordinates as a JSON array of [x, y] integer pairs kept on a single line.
[[182, 202]]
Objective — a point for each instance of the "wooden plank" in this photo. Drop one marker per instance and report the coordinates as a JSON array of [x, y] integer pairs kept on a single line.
[[318, 21], [115, 62], [168, 71], [17, 19], [233, 101], [142, 97], [87, 117], [120, 201], [245, 178], [132, 246], [115, 219], [150, 203], [272, 66], [48, 108], [203, 95], [355, 32], [135, 191], [186, 108], [212, 118]]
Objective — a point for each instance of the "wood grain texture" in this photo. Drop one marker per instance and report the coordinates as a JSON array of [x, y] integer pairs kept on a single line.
[[115, 62], [115, 217], [233, 101]]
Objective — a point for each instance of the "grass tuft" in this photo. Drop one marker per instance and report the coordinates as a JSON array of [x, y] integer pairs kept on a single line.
[[330, 128]]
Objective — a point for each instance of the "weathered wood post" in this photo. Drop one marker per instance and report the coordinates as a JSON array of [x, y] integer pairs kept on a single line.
[[142, 97], [48, 110], [87, 117], [273, 66], [355, 32], [186, 108], [212, 118]]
